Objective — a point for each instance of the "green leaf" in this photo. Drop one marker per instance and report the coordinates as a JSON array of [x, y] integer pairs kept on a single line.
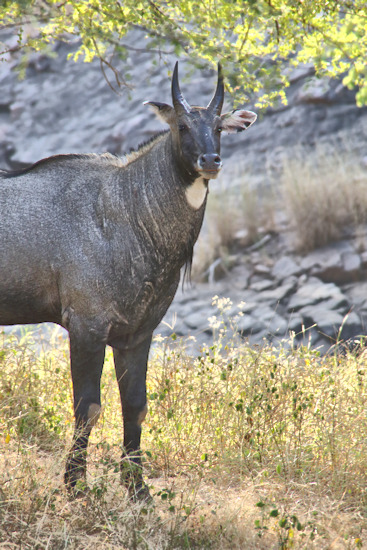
[[257, 40]]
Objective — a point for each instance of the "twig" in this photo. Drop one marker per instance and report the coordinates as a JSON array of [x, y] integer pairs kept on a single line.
[[119, 80], [143, 50]]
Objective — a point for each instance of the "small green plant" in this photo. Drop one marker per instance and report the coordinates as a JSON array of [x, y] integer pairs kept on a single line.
[[288, 527]]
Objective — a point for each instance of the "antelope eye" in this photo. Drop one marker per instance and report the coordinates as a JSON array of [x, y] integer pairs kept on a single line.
[[182, 127]]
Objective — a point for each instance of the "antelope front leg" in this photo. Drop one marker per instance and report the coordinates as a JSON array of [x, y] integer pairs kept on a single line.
[[87, 357], [131, 369]]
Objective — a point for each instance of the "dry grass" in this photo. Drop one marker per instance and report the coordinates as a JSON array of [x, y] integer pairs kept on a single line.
[[324, 191], [235, 207], [222, 221], [244, 448]]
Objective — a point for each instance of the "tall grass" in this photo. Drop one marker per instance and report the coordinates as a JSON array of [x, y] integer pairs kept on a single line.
[[244, 448], [235, 208], [321, 192], [325, 191]]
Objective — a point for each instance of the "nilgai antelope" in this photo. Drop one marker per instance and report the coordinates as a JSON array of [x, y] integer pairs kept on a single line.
[[95, 243]]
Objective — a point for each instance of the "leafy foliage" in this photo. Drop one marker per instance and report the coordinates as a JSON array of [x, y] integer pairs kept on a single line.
[[254, 39]]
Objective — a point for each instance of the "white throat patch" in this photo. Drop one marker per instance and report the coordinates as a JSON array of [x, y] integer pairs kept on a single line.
[[196, 193]]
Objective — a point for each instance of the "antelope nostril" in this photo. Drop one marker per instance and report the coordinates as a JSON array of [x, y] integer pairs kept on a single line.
[[210, 161]]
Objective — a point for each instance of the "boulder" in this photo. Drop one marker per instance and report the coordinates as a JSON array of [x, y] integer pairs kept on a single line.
[[314, 90], [357, 294], [262, 270], [295, 323], [352, 327], [301, 73], [337, 263], [248, 325], [260, 285], [198, 319], [243, 307], [277, 326], [332, 324], [352, 265], [328, 323], [280, 293], [313, 292], [286, 267], [326, 264]]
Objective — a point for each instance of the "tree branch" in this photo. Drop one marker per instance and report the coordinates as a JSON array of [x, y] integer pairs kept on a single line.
[[120, 81]]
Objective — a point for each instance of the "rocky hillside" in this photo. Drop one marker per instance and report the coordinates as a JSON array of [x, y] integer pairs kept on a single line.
[[320, 298], [63, 107], [68, 107]]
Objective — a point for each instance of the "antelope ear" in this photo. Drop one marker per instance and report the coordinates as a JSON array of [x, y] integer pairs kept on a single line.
[[237, 121], [164, 112]]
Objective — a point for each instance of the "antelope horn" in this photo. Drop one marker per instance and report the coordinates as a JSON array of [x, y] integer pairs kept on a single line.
[[178, 99], [216, 102]]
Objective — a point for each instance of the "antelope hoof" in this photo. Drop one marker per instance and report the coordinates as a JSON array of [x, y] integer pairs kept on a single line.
[[76, 483], [140, 493], [132, 478]]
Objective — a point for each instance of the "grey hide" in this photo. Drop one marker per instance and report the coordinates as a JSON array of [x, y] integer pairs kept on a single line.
[[96, 243]]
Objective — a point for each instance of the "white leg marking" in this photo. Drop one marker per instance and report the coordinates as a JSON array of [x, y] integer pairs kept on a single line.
[[142, 415], [196, 193], [94, 411]]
